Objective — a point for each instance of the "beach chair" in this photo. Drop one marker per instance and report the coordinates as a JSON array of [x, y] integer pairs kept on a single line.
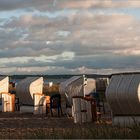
[[122, 94], [99, 102], [84, 109], [6, 99], [31, 99], [8, 102], [69, 88]]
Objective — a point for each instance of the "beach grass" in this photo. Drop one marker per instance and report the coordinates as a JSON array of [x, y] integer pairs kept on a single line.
[[87, 131]]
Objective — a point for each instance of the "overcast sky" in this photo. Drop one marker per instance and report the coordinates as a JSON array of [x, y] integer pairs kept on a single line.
[[69, 36]]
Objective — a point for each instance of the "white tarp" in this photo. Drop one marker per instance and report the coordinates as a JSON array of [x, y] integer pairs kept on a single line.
[[4, 84], [90, 86], [72, 87], [27, 87], [29, 91], [123, 95], [6, 99]]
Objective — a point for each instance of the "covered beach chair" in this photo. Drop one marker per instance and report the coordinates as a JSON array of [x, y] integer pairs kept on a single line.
[[7, 100], [123, 95], [73, 86], [75, 89], [84, 109], [29, 91]]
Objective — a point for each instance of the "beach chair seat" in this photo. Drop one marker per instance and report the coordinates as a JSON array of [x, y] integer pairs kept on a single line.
[[99, 102], [55, 103]]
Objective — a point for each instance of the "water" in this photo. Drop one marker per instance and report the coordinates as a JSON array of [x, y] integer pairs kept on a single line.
[[46, 80]]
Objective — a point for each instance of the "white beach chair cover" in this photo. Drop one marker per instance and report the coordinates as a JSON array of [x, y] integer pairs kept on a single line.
[[29, 92], [90, 86], [26, 88], [4, 84], [72, 87], [123, 95]]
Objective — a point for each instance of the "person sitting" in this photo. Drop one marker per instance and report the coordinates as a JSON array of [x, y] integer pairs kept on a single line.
[[96, 96], [55, 102]]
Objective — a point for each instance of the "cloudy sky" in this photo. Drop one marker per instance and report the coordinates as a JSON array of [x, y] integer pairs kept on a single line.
[[69, 36]]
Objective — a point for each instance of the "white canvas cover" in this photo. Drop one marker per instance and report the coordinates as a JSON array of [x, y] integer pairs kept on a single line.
[[90, 86], [4, 84], [123, 95], [29, 91], [39, 105], [26, 88], [72, 87], [111, 94]]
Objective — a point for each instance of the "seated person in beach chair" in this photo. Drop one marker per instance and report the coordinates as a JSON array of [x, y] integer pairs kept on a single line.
[[12, 89], [99, 101], [17, 104], [55, 102], [96, 96]]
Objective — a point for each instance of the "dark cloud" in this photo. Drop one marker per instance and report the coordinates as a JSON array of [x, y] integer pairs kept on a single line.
[[98, 62]]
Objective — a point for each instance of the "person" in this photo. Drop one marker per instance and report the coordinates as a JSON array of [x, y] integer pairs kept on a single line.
[[17, 106], [12, 89], [97, 97]]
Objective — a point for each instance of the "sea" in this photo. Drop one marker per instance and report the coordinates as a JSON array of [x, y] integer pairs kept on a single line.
[[46, 80]]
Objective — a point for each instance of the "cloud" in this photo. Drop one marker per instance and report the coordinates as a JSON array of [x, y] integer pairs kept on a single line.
[[85, 34], [22, 4], [100, 4], [53, 5], [88, 62], [128, 52], [75, 40]]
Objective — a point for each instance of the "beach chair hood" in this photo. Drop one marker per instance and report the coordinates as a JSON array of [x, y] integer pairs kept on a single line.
[[72, 87], [26, 88]]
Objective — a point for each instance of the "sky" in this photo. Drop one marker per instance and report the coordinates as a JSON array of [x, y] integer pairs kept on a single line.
[[69, 36]]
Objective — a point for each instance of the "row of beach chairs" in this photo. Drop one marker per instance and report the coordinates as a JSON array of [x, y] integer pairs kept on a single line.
[[29, 96]]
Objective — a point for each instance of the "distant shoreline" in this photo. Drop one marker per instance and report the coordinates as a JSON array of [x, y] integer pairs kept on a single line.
[[59, 76]]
